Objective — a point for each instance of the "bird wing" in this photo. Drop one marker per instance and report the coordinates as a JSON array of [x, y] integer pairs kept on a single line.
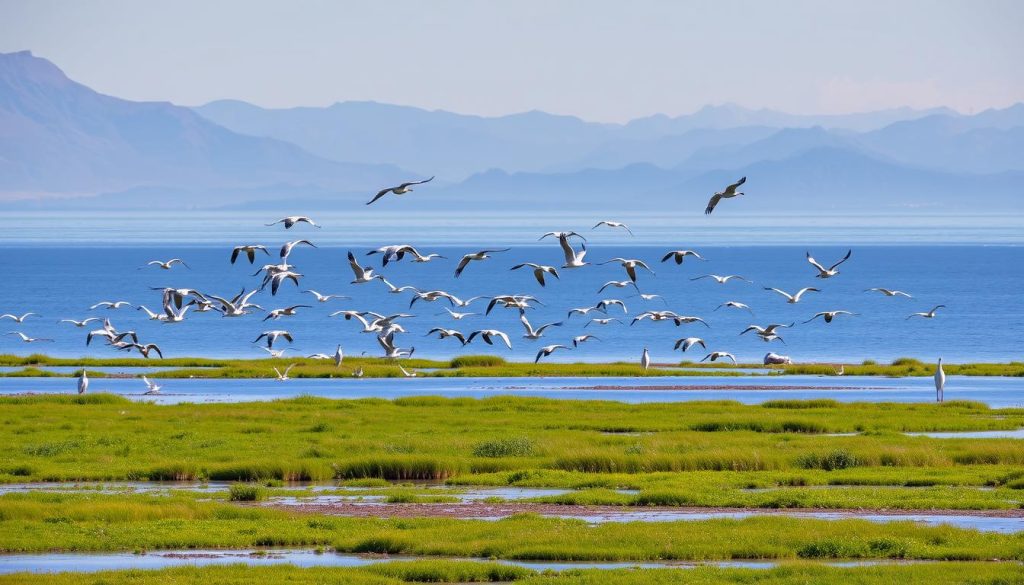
[[380, 194], [504, 338], [356, 268], [815, 263], [845, 258], [732, 188], [712, 203], [411, 183], [462, 265]]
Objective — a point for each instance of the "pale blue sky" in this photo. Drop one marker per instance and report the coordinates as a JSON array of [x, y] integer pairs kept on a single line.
[[607, 61]]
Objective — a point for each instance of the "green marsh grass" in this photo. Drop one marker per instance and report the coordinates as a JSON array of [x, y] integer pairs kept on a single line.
[[479, 366]]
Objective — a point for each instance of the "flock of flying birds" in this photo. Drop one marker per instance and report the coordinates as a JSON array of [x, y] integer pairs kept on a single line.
[[175, 303]]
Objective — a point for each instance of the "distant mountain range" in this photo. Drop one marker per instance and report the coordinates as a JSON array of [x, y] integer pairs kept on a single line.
[[62, 145]]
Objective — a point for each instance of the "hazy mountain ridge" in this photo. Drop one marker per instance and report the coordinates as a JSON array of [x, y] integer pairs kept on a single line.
[[62, 140], [60, 137]]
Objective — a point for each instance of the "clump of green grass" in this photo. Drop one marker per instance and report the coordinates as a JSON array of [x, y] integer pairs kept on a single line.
[[507, 447], [477, 361], [835, 459], [246, 492]]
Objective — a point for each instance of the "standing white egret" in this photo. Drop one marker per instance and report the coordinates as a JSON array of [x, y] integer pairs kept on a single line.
[[83, 382], [338, 356], [940, 382], [645, 359]]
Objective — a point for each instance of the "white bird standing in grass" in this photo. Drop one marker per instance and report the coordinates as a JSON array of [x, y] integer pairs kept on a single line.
[[940, 382], [645, 359], [338, 356], [83, 383]]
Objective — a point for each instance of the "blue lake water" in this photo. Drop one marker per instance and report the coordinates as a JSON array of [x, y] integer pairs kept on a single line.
[[997, 392], [980, 284]]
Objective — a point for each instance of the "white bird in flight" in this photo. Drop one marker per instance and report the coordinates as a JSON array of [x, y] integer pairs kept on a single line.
[[793, 299], [167, 265], [828, 315], [729, 192], [680, 255], [151, 386], [363, 275], [688, 342], [81, 323], [573, 259], [576, 341], [722, 279], [282, 376], [889, 292], [736, 305], [717, 355], [323, 298], [475, 257], [17, 318], [618, 284], [927, 314], [539, 270], [613, 224], [488, 336], [399, 190], [111, 305], [548, 350], [630, 264], [250, 252], [28, 339], [292, 220], [831, 270], [272, 336], [537, 333]]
